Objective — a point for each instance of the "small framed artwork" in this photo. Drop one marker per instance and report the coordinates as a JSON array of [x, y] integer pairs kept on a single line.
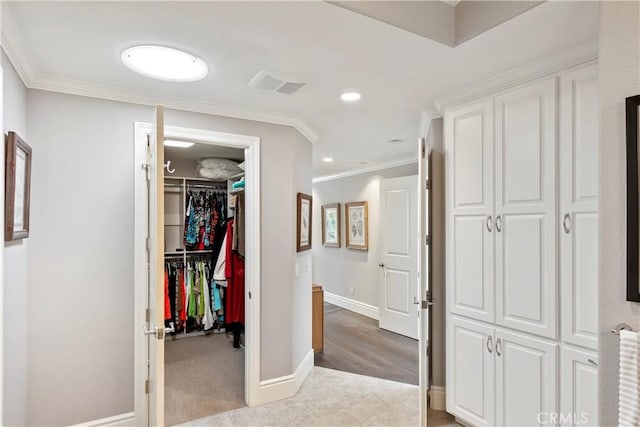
[[17, 187], [303, 221], [357, 225], [633, 198], [331, 225]]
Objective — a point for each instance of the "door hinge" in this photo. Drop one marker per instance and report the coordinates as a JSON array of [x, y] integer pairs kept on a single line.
[[423, 144], [429, 350], [427, 240], [146, 387], [147, 315], [148, 244], [428, 185]]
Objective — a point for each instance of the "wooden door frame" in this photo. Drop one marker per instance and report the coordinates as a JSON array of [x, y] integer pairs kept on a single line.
[[251, 145]]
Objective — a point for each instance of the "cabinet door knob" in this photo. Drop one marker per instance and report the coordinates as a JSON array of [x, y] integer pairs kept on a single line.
[[490, 344], [499, 347], [489, 223], [381, 265], [499, 223], [566, 223]]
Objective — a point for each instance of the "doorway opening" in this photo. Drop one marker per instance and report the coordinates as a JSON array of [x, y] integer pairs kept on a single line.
[[209, 353], [204, 248]]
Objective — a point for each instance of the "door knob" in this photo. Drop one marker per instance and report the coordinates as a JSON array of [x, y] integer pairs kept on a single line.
[[381, 265], [159, 332]]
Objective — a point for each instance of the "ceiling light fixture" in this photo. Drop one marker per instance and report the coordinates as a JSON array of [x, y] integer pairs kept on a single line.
[[177, 144], [327, 159], [164, 63], [350, 96]]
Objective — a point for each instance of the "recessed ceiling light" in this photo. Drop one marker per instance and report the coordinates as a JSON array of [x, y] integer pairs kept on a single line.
[[164, 63], [177, 144], [327, 159], [395, 141], [350, 96]]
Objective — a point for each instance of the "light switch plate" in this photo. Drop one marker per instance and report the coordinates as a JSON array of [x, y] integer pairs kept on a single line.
[[297, 269], [309, 265]]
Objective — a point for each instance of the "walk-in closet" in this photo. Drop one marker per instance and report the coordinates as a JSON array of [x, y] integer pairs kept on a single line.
[[204, 280]]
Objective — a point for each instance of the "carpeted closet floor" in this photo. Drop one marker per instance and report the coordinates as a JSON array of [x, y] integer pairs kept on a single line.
[[204, 376]]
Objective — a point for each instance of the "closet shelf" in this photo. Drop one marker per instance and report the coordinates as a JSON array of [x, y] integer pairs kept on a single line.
[[206, 251]]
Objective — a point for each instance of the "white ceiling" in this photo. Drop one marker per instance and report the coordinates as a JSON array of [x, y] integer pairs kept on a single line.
[[398, 73]]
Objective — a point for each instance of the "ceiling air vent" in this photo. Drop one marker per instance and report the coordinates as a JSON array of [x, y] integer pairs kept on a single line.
[[277, 82]]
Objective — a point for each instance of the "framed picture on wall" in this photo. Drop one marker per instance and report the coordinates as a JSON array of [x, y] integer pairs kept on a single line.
[[303, 220], [357, 225], [17, 194], [633, 199], [331, 225]]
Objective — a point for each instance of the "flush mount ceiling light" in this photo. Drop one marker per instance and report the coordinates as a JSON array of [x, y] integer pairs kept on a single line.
[[350, 96], [327, 159], [177, 144], [164, 63]]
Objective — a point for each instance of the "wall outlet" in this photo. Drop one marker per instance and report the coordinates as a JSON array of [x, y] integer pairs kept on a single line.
[[352, 290]]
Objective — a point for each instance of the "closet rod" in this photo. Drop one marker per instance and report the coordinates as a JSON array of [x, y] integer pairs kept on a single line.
[[210, 187]]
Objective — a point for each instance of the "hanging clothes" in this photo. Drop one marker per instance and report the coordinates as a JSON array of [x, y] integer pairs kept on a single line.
[[234, 273], [204, 210]]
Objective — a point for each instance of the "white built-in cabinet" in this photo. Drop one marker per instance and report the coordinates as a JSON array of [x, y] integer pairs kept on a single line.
[[522, 253]]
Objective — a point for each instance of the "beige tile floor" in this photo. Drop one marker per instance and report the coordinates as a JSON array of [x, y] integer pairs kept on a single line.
[[335, 398]]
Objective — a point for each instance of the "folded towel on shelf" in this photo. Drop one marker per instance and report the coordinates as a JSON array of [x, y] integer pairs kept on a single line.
[[239, 184]]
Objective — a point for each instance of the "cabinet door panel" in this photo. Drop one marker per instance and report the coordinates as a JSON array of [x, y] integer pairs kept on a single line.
[[526, 378], [469, 193], [579, 206], [526, 282], [470, 371], [579, 387]]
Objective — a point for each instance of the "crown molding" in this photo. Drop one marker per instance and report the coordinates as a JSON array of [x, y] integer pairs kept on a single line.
[[577, 56], [17, 50], [426, 117], [354, 172]]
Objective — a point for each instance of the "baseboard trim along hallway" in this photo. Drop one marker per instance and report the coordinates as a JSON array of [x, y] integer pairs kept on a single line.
[[437, 395], [352, 305], [121, 420], [286, 386]]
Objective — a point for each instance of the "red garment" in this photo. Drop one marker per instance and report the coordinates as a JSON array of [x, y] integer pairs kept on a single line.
[[167, 302], [234, 272], [181, 288]]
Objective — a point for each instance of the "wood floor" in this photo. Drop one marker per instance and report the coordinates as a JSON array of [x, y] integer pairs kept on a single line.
[[354, 343]]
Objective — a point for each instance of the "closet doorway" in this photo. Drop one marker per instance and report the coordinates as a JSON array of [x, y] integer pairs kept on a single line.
[[197, 348]]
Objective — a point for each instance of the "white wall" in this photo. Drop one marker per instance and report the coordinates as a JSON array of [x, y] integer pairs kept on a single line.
[[80, 264], [619, 76], [15, 270], [337, 269]]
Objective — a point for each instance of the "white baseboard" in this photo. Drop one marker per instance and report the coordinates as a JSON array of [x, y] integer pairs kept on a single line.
[[352, 305], [438, 398], [121, 420], [285, 386]]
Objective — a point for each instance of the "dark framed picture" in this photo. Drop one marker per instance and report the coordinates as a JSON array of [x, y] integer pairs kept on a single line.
[[331, 225], [17, 187], [633, 228], [357, 225], [303, 221]]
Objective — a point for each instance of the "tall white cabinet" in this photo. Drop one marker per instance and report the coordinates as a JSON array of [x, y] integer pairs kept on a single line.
[[522, 253]]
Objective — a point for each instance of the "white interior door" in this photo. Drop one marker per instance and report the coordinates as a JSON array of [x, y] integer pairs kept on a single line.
[[154, 328], [424, 203], [398, 287]]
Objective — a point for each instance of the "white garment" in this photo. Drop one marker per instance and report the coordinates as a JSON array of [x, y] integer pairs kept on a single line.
[[629, 385], [218, 272], [208, 316]]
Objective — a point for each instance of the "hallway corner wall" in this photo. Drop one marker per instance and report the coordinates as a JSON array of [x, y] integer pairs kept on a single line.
[[339, 269], [14, 322], [619, 77]]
